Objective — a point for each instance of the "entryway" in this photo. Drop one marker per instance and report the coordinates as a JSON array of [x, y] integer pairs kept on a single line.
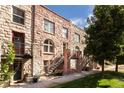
[[17, 67], [46, 66]]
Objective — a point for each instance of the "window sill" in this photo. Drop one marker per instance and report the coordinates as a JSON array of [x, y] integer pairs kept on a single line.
[[48, 53], [19, 24], [49, 33]]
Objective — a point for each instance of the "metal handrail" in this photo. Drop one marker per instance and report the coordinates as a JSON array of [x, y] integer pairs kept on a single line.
[[19, 49], [85, 62], [57, 62], [56, 55]]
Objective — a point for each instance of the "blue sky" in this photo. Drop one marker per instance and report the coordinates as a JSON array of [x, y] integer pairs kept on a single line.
[[76, 13]]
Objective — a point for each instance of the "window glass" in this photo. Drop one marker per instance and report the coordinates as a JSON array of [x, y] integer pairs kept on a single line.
[[65, 32], [77, 37], [49, 26], [18, 15], [48, 46]]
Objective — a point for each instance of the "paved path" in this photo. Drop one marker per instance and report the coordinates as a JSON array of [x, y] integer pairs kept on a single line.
[[112, 68], [52, 82]]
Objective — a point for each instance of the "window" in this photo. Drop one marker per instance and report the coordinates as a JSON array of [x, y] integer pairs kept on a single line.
[[77, 37], [18, 41], [65, 32], [48, 46], [49, 26], [73, 63], [18, 15]]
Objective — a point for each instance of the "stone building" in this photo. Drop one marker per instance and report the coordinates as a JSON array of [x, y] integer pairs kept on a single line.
[[53, 34], [40, 37], [15, 27]]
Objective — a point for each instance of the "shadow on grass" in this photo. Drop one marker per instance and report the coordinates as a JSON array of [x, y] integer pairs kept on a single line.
[[100, 80]]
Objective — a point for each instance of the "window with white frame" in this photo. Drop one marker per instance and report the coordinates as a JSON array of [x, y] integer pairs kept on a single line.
[[76, 37], [48, 46], [18, 15], [73, 63], [49, 26], [64, 32]]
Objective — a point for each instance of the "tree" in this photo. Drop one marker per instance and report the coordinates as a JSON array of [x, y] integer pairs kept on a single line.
[[104, 36], [6, 67]]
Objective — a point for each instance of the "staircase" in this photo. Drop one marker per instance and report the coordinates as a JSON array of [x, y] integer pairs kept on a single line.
[[85, 61], [55, 64], [58, 59]]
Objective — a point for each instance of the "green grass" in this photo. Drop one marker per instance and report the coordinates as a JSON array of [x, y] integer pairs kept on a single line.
[[106, 79]]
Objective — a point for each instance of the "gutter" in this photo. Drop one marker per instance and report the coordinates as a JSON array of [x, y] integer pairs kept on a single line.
[[32, 35]]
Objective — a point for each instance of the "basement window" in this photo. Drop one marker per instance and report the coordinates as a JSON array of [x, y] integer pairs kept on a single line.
[[73, 63], [18, 15]]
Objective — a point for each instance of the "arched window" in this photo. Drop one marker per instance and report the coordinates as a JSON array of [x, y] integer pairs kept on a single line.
[[48, 46], [77, 48]]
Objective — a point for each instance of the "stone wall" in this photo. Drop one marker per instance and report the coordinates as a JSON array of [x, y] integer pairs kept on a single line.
[[41, 13], [80, 44], [40, 35], [7, 26]]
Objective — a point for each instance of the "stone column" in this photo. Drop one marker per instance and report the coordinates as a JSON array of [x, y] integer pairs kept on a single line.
[[66, 55], [79, 53]]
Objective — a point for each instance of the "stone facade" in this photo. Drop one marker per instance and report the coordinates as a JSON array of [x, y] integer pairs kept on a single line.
[[7, 26], [81, 44], [40, 36], [40, 13]]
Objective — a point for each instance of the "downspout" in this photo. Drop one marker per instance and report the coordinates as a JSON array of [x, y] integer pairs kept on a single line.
[[32, 36]]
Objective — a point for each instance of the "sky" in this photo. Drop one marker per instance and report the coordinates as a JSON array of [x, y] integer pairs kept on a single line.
[[76, 13]]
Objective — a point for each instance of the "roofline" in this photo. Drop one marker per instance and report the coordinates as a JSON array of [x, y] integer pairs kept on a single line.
[[61, 16], [54, 13], [77, 26]]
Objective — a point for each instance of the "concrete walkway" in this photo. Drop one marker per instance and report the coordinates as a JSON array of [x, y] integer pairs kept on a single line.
[[47, 83]]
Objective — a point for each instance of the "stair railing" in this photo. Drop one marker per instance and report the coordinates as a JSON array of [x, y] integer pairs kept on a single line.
[[84, 61], [55, 65]]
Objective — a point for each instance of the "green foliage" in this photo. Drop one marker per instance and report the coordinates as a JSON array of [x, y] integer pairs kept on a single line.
[[114, 83], [5, 68], [102, 80], [10, 54], [105, 36]]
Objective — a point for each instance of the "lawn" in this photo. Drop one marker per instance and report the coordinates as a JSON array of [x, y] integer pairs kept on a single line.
[[106, 79]]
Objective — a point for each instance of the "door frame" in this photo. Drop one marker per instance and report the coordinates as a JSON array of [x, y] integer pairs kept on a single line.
[[22, 74]]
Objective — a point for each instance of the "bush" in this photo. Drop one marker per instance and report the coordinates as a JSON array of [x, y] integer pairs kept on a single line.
[[5, 68]]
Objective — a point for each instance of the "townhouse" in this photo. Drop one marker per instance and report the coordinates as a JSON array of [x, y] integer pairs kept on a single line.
[[15, 27], [43, 40]]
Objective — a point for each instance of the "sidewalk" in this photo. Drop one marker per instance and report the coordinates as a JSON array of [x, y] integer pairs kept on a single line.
[[52, 82]]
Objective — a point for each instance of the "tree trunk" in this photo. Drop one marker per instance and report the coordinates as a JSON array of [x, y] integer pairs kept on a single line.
[[102, 65], [116, 69]]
